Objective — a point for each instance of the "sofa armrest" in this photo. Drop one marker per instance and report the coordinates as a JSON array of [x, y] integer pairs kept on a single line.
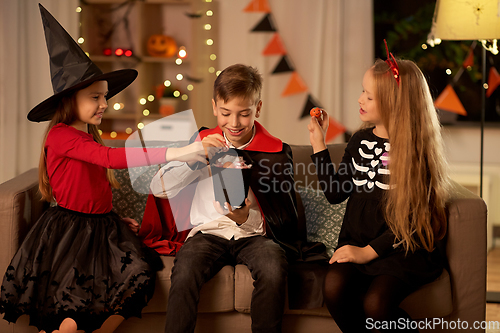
[[20, 208], [466, 253]]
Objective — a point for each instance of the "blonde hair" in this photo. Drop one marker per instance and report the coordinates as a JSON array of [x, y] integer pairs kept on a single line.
[[65, 113], [415, 205]]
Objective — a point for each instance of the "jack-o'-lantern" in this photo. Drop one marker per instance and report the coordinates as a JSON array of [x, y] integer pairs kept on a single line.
[[161, 46], [315, 112]]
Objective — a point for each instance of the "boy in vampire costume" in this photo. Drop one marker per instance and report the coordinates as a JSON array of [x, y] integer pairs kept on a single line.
[[205, 234]]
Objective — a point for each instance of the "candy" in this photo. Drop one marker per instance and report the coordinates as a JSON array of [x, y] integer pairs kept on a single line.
[[315, 112]]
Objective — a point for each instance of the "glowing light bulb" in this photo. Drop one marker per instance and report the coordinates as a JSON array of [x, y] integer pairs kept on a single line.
[[182, 52], [128, 130], [211, 69], [78, 9], [167, 83], [176, 93], [424, 46], [81, 40], [213, 57], [116, 106], [485, 86], [190, 87], [179, 76], [151, 98], [448, 71], [209, 13], [184, 97], [210, 41], [145, 112], [217, 73], [208, 26], [140, 125], [142, 101], [100, 132], [113, 134], [178, 61]]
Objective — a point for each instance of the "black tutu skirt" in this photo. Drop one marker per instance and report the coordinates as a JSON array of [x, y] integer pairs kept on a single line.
[[83, 266]]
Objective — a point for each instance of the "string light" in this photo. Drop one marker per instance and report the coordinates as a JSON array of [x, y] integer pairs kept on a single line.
[[190, 87], [128, 130], [185, 97], [151, 98], [78, 9], [116, 106], [145, 112], [178, 61], [210, 41], [209, 13], [448, 71], [81, 40], [424, 46], [140, 125], [113, 134], [213, 57], [142, 101], [176, 93], [167, 83], [179, 76], [208, 26], [211, 70]]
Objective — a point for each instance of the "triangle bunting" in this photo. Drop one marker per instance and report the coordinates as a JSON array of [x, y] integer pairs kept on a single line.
[[449, 101], [493, 81], [265, 25], [257, 6], [283, 66], [334, 129], [295, 85], [275, 46]]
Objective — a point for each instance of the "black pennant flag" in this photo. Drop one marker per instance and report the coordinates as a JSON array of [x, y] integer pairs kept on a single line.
[[283, 66], [311, 103], [266, 24]]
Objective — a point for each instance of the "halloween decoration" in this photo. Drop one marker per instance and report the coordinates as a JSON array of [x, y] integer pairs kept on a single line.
[[315, 112], [161, 46]]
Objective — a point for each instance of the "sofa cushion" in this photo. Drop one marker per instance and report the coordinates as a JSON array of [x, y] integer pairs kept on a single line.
[[323, 220], [217, 295]]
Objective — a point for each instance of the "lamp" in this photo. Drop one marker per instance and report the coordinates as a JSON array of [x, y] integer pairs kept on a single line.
[[470, 20]]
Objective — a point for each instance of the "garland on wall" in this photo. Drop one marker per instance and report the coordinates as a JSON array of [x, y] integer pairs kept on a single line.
[[449, 101], [296, 84]]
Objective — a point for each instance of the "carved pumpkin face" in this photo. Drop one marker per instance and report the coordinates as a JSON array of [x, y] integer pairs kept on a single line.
[[161, 46], [315, 112]]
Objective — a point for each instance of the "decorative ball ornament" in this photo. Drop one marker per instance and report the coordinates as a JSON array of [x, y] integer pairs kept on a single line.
[[315, 112], [161, 46]]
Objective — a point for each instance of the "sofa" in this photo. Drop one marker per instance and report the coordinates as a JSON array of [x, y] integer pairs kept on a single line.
[[458, 295]]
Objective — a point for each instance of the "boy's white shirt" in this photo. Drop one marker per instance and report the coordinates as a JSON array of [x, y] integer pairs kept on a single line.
[[175, 176]]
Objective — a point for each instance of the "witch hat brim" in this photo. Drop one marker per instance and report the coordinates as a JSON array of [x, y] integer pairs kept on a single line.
[[71, 69]]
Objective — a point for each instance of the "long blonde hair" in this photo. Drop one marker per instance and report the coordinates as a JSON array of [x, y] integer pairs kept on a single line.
[[415, 205], [65, 113]]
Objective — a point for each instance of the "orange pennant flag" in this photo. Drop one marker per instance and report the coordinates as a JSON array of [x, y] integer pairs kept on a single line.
[[275, 46], [469, 61], [334, 129], [295, 85], [493, 81], [260, 6], [449, 101]]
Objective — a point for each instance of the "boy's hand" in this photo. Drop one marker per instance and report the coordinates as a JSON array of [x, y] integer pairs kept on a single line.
[[354, 254], [317, 131], [131, 224], [239, 215]]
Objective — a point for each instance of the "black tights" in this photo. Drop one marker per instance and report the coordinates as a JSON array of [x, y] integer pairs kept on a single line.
[[358, 302]]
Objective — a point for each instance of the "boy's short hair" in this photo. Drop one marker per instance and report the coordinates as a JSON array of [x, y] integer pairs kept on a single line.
[[238, 81]]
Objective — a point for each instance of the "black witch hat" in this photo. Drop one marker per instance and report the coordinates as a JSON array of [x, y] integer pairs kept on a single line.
[[71, 69]]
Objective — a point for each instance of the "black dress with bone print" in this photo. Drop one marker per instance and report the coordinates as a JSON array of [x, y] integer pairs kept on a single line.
[[362, 177]]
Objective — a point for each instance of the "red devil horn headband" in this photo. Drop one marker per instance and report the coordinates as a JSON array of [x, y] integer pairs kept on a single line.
[[392, 63]]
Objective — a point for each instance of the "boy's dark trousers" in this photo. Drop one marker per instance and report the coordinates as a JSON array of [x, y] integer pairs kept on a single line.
[[203, 255]]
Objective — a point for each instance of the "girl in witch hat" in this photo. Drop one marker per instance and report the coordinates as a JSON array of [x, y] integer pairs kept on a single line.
[[81, 267], [394, 174]]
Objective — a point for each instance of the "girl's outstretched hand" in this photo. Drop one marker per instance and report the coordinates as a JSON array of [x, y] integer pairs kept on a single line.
[[193, 153], [317, 131], [354, 254], [131, 224]]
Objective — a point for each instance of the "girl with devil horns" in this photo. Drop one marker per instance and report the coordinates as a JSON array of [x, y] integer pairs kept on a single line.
[[390, 240]]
